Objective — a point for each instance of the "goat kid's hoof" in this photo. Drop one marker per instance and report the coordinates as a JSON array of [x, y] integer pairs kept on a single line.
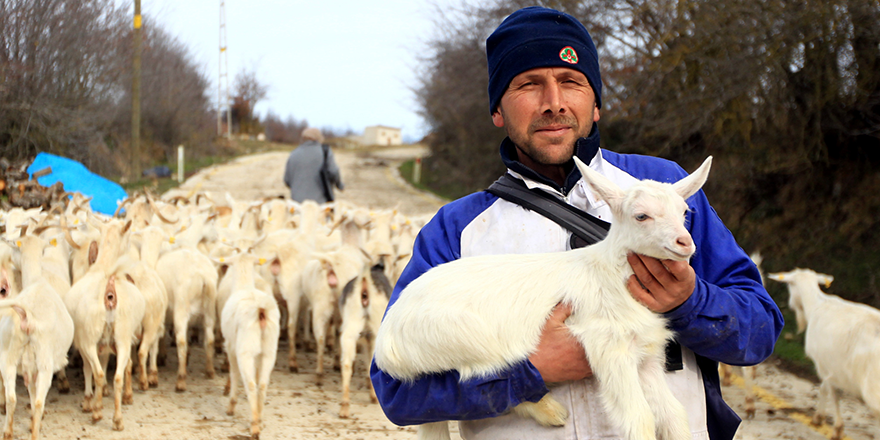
[[127, 399], [293, 369], [117, 425], [97, 416], [344, 410], [181, 385]]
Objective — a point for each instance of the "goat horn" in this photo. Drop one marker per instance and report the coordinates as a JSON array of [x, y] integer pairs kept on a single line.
[[67, 235], [121, 205], [158, 212]]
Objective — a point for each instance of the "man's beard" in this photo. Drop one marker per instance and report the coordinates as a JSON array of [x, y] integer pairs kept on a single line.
[[541, 155]]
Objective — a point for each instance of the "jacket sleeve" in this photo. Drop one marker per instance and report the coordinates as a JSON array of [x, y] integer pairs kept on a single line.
[[730, 317], [442, 396]]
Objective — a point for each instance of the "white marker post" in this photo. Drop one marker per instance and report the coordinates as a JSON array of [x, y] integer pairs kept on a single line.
[[180, 163]]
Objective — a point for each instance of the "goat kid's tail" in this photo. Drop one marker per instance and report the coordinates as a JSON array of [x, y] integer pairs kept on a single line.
[[26, 326]]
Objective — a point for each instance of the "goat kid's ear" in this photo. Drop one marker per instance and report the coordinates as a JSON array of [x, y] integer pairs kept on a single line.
[[604, 188], [825, 280], [780, 276], [691, 184]]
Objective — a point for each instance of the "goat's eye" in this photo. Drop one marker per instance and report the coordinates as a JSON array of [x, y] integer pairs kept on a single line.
[[642, 217]]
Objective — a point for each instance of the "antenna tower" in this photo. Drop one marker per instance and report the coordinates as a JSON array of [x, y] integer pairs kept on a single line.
[[223, 80]]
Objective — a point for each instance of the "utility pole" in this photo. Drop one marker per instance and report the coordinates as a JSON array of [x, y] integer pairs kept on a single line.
[[136, 96], [223, 80]]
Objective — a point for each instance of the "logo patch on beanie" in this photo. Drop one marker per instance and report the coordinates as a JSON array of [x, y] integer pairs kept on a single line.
[[568, 55]]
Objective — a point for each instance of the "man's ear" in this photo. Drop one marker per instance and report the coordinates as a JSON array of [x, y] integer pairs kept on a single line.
[[498, 118]]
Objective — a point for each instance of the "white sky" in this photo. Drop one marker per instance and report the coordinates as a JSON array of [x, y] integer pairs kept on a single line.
[[340, 64]]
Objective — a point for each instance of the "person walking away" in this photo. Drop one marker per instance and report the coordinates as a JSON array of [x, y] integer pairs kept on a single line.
[[303, 171]]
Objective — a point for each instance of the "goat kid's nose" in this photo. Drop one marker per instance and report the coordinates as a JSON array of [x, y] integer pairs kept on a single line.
[[685, 241]]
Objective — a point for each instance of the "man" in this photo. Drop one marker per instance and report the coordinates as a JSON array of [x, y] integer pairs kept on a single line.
[[303, 172], [545, 90]]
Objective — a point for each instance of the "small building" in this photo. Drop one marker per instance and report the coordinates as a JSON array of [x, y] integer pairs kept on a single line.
[[382, 135]]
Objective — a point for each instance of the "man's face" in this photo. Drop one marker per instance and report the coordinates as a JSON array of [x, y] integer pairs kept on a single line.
[[545, 110]]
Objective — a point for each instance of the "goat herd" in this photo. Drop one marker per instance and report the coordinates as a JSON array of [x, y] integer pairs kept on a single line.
[[237, 271], [241, 272]]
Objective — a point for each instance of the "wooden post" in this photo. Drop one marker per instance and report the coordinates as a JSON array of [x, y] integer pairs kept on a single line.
[[136, 96]]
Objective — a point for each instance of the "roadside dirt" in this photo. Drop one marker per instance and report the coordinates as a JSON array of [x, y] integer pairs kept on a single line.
[[298, 409]]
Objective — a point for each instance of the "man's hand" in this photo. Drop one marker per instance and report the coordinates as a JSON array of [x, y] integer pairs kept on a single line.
[[560, 357], [661, 285]]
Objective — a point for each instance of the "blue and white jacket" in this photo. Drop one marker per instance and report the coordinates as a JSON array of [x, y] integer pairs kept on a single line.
[[729, 318]]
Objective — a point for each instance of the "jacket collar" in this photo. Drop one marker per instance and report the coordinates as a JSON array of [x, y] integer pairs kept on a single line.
[[585, 149]]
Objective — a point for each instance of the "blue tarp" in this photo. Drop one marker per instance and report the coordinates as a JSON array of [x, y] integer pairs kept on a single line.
[[77, 178]]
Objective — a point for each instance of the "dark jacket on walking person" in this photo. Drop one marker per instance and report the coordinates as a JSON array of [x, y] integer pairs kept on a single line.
[[302, 174]]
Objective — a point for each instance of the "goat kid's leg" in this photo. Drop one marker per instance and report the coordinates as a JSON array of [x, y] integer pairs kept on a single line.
[[292, 316], [181, 324], [105, 362], [321, 314], [9, 376], [670, 415], [616, 368], [128, 393], [826, 393], [351, 331], [123, 369], [38, 401], [147, 342], [96, 396], [63, 384], [233, 383], [247, 367], [153, 374], [434, 431], [209, 321], [547, 411]]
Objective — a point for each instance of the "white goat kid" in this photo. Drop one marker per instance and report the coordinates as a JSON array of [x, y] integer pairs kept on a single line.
[[841, 339], [250, 321], [478, 334]]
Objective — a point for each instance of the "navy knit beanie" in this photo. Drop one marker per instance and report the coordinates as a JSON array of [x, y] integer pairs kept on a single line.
[[539, 37]]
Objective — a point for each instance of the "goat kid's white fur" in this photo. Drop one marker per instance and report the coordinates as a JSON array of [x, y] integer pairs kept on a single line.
[[841, 340], [483, 314]]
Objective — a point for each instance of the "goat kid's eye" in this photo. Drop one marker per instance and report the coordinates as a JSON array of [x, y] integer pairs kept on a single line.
[[642, 217]]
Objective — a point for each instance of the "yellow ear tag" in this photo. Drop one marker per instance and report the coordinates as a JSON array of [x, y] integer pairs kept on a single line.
[[171, 240], [53, 242], [76, 222], [393, 227], [270, 219], [291, 210], [18, 243], [183, 228], [222, 260], [262, 261], [223, 239], [827, 284]]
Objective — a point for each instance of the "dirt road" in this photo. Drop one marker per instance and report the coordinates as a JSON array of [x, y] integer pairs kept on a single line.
[[298, 409]]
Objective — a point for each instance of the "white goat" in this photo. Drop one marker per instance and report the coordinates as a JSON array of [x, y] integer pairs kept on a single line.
[[35, 335], [482, 314], [250, 321], [191, 283], [841, 339], [107, 310]]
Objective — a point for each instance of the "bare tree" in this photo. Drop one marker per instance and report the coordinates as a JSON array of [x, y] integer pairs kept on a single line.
[[249, 90]]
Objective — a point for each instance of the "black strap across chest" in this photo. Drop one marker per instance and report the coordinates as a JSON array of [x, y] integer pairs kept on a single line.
[[585, 229]]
